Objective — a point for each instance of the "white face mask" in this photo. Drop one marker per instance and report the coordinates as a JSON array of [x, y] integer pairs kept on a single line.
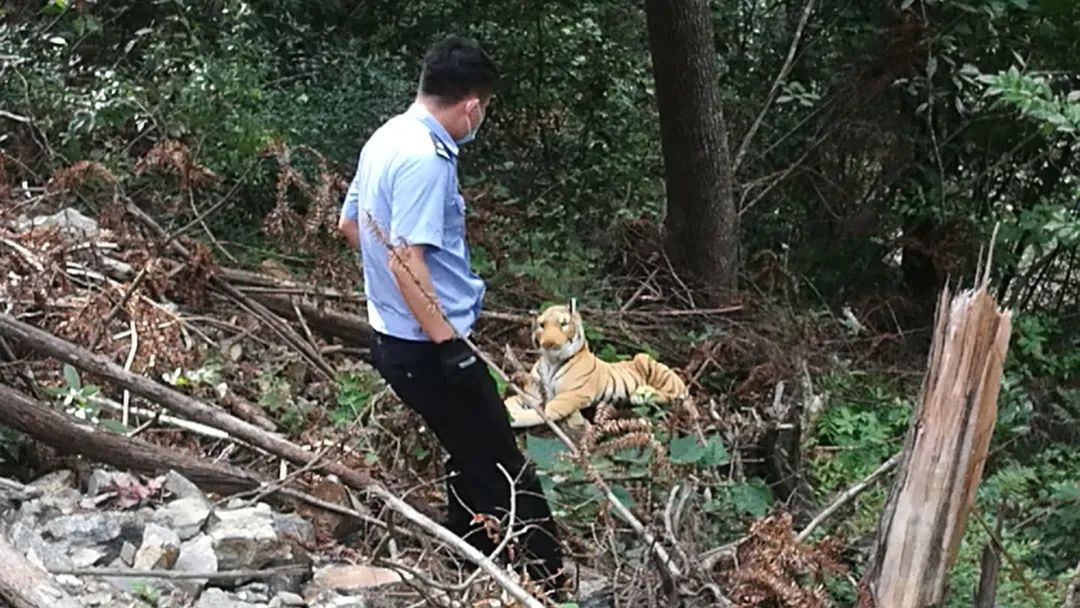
[[471, 135]]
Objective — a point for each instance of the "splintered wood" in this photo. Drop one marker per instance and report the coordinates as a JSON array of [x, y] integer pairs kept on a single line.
[[944, 453]]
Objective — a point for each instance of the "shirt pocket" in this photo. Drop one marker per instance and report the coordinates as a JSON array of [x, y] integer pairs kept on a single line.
[[454, 217]]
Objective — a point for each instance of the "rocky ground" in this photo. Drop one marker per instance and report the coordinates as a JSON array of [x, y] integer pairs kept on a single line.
[[116, 521]]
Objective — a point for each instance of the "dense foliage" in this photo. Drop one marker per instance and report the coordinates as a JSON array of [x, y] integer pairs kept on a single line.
[[904, 135]]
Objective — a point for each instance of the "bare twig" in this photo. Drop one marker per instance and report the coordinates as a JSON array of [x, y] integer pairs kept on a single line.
[[788, 62], [15, 117], [847, 495], [127, 365], [222, 575], [131, 289]]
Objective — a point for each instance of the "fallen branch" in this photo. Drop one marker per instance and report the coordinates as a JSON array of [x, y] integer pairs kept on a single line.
[[847, 496], [23, 585], [38, 420], [176, 575], [44, 423], [348, 328], [179, 403]]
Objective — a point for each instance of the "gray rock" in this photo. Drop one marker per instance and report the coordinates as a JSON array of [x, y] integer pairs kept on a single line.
[[69, 220], [196, 555], [594, 590], [98, 481], [89, 528], [185, 515], [289, 599], [294, 526], [181, 487], [127, 553], [245, 538], [84, 557], [160, 548], [354, 578], [54, 482], [216, 598]]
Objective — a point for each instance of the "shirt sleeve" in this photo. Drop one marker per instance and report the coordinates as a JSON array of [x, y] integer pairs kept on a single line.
[[350, 209], [418, 201]]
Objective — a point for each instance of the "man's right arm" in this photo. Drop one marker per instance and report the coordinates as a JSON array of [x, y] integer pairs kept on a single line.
[[414, 279], [419, 199]]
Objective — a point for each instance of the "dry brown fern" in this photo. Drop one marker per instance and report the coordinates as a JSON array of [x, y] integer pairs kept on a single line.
[[775, 570], [175, 157], [314, 230]]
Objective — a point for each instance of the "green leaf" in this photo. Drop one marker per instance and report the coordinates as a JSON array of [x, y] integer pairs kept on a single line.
[[71, 376], [716, 453], [623, 495], [544, 451], [685, 450], [752, 498]]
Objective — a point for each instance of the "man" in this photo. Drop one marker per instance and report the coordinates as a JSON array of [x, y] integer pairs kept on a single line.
[[406, 185]]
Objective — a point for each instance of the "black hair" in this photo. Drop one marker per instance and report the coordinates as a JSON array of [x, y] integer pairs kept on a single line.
[[456, 68]]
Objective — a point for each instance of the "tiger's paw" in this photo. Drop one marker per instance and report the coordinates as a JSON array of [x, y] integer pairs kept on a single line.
[[644, 395]]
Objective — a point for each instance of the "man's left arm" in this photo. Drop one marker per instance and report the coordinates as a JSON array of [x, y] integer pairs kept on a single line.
[[348, 224]]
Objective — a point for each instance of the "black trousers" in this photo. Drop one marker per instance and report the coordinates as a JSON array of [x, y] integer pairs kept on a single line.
[[471, 423]]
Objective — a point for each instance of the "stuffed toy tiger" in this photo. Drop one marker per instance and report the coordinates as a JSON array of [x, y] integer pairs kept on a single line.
[[568, 377]]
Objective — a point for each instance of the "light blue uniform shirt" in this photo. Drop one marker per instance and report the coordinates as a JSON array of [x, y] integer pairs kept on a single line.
[[406, 179]]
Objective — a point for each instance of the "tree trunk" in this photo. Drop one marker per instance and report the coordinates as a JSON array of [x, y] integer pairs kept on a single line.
[[24, 585], [944, 453], [52, 428], [701, 226]]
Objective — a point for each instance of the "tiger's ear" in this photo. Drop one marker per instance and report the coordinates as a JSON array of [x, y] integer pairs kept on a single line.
[[573, 306]]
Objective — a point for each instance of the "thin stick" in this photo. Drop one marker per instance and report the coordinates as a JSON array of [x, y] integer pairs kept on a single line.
[[222, 575], [847, 495], [127, 366], [130, 291], [788, 62], [194, 427]]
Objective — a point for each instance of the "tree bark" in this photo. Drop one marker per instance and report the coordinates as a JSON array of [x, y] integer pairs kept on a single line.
[[24, 585], [944, 453], [47, 344], [701, 226], [38, 420], [348, 328]]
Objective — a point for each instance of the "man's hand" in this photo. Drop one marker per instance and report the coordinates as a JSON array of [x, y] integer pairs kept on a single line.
[[459, 362], [350, 230], [413, 278]]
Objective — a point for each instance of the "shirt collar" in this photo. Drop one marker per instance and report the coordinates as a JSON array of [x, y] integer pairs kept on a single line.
[[418, 111]]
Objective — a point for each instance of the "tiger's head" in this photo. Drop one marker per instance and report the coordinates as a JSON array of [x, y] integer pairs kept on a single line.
[[559, 333]]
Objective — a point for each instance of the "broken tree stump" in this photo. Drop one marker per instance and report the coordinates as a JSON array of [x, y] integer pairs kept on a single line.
[[944, 453]]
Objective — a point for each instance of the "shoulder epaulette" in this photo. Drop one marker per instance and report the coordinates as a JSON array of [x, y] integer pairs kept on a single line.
[[440, 147]]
